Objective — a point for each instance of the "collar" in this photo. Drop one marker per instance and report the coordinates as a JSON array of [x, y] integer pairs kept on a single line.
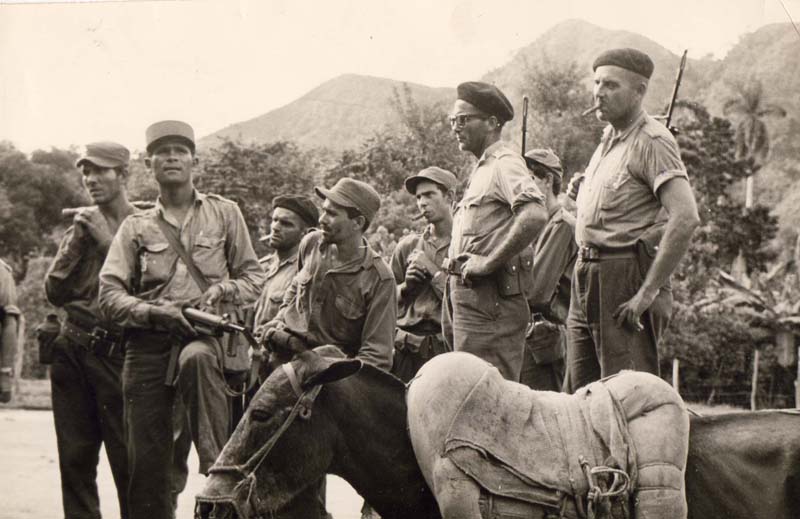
[[635, 125], [491, 150], [197, 199], [427, 235], [370, 256]]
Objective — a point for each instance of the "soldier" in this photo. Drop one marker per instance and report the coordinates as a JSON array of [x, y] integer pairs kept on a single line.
[[292, 216], [87, 356], [502, 211], [343, 293], [9, 326], [416, 264], [621, 299], [554, 257], [144, 284]]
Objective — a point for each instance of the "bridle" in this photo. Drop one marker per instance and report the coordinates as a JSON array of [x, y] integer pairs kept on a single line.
[[243, 497]]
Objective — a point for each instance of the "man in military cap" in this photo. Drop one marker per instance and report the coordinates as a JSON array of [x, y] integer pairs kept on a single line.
[[343, 293], [9, 328], [292, 216], [500, 214], [416, 264], [144, 284], [87, 355], [554, 257], [635, 217]]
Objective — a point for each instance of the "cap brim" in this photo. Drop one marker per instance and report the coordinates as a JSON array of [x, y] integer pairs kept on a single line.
[[97, 161], [189, 142], [411, 183], [333, 197]]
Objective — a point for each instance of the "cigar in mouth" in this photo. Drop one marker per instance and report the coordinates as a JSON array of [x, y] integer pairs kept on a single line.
[[417, 217], [590, 110]]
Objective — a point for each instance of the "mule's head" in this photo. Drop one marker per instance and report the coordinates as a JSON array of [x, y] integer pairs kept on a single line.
[[281, 445]]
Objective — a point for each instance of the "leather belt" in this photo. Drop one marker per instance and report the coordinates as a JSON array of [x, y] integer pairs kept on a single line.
[[452, 266], [98, 340], [590, 253]]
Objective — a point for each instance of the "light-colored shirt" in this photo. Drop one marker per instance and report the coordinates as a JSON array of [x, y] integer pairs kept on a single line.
[[280, 273], [8, 291], [498, 186], [214, 233], [618, 199], [421, 313]]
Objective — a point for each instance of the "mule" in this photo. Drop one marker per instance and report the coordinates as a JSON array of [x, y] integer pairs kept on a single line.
[[740, 465]]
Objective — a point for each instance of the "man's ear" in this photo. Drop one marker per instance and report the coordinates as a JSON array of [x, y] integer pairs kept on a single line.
[[195, 160], [148, 163]]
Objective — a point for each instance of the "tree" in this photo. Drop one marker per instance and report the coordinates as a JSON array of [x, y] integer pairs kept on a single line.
[[749, 105]]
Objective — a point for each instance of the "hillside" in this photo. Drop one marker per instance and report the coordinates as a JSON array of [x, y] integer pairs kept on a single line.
[[337, 115]]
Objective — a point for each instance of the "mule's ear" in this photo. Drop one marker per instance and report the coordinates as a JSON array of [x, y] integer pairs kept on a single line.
[[336, 371]]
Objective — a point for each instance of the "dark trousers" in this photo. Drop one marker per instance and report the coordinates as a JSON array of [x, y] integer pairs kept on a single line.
[[157, 446], [478, 320], [412, 351], [87, 411], [543, 362], [596, 346]]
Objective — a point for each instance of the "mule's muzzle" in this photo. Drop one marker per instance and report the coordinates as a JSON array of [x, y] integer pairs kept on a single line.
[[225, 496], [215, 510]]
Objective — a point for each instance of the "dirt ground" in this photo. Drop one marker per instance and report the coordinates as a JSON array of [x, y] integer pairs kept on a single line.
[[30, 485]]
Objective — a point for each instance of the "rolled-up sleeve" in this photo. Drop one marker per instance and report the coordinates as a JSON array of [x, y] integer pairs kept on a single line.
[[247, 278], [515, 184], [661, 161], [377, 337], [115, 300], [8, 293]]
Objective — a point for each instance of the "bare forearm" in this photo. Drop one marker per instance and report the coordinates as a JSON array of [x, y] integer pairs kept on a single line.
[[528, 222], [673, 246]]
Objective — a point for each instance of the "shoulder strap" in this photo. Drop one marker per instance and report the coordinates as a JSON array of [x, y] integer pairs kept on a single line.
[[175, 242]]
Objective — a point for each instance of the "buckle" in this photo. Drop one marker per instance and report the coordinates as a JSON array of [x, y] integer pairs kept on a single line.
[[589, 253]]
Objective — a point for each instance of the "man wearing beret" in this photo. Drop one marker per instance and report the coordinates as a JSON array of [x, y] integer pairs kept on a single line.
[[554, 257], [144, 284], [292, 216], [343, 293], [87, 355], [500, 214], [416, 264], [635, 217]]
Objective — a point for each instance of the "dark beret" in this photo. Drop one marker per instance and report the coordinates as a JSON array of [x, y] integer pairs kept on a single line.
[[629, 59], [486, 98], [301, 205]]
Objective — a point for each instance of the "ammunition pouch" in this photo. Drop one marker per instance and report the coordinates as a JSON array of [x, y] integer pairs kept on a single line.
[[235, 348], [516, 276], [96, 339], [544, 341], [424, 346]]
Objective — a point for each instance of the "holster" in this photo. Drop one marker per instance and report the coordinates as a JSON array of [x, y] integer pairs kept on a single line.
[[516, 276], [425, 346]]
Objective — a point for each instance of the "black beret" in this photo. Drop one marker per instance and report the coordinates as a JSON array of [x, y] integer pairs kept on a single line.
[[302, 205], [486, 98], [629, 59]]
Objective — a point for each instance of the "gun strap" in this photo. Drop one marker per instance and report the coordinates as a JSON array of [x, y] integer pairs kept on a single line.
[[174, 240]]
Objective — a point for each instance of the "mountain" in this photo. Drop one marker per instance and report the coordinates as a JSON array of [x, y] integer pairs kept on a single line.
[[337, 115]]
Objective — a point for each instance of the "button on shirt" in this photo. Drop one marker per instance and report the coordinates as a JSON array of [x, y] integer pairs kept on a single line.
[[617, 200], [498, 186], [421, 314], [352, 306], [214, 233], [280, 273]]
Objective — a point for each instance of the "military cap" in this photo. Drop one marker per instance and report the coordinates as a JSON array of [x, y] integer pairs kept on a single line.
[[354, 194], [301, 205], [629, 59], [433, 174], [105, 155], [173, 129], [546, 158], [486, 98]]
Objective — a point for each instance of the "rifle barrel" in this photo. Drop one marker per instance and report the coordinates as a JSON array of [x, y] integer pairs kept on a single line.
[[674, 97]]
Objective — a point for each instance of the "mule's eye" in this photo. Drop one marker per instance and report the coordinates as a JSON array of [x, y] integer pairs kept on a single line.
[[260, 415]]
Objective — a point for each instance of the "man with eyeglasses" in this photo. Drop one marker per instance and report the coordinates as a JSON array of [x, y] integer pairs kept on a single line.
[[502, 211]]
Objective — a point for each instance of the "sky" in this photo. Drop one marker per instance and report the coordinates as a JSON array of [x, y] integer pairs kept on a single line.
[[72, 73]]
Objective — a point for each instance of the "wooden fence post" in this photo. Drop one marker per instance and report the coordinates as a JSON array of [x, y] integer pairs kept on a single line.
[[676, 367], [754, 389], [797, 380]]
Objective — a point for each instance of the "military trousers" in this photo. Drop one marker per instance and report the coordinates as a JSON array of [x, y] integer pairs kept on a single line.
[[87, 412], [158, 417], [596, 346], [478, 320]]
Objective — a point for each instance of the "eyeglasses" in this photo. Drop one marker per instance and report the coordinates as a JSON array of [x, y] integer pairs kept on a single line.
[[458, 121]]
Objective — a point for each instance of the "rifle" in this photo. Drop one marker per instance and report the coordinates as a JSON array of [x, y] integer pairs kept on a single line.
[[524, 122], [138, 204], [678, 77]]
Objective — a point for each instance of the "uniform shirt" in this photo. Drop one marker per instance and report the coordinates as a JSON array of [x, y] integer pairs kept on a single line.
[[214, 233], [8, 291], [421, 314], [279, 276], [553, 261], [72, 281], [498, 186], [617, 201], [352, 306]]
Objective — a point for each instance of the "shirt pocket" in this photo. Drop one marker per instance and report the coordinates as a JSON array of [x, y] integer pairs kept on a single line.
[[615, 190], [349, 319], [209, 256], [303, 290], [474, 215], [156, 261]]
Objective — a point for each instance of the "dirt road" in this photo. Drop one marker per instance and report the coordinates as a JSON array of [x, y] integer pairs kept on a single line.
[[30, 487]]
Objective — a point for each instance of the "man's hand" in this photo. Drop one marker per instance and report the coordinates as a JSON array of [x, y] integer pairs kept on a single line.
[[474, 265], [169, 317], [92, 221], [211, 297], [575, 185], [629, 313]]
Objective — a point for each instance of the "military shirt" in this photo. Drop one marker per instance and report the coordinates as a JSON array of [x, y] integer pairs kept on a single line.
[[352, 306], [214, 233], [618, 199], [554, 257], [280, 273], [421, 314], [498, 186], [8, 291]]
